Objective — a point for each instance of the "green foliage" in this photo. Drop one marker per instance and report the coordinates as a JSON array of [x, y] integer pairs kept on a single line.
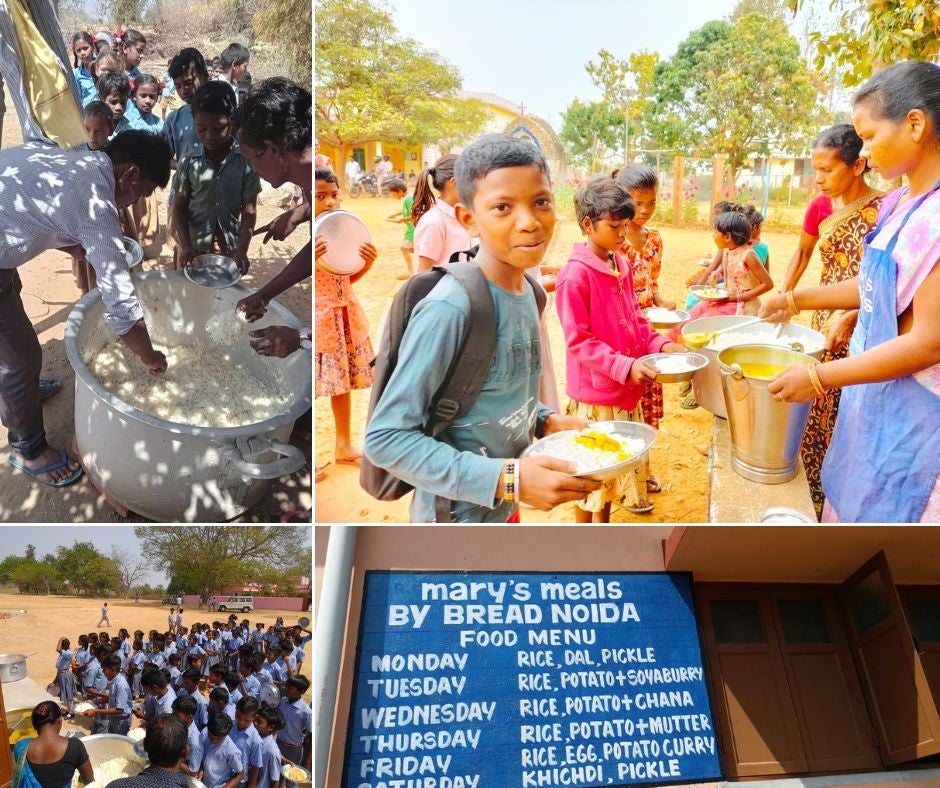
[[874, 33], [629, 86], [33, 577], [124, 12], [374, 83], [735, 89], [202, 559], [772, 9], [85, 569], [591, 132]]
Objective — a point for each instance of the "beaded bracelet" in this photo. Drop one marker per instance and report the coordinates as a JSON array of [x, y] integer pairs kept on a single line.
[[509, 481], [518, 488], [814, 379]]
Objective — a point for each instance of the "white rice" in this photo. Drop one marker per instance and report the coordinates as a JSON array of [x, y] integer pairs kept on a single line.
[[660, 314], [734, 338], [670, 365], [590, 460], [113, 769]]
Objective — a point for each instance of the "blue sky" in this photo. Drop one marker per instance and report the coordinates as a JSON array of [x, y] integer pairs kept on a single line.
[[534, 51]]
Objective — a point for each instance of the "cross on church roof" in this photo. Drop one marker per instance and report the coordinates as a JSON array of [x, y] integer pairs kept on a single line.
[[522, 108]]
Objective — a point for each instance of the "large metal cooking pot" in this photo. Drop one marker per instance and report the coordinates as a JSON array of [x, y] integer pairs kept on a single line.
[[177, 472], [706, 383], [102, 747], [12, 667]]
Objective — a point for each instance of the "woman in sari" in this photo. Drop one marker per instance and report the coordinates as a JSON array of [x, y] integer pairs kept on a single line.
[[51, 759], [840, 175]]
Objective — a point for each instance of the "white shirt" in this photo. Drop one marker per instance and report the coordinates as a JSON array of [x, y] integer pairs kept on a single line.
[[352, 168], [49, 199]]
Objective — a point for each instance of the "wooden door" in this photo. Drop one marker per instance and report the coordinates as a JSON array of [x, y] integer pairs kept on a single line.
[[892, 674], [754, 710], [922, 605], [835, 727]]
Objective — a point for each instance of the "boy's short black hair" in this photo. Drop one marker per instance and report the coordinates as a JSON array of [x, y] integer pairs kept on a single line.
[[112, 661], [247, 705], [150, 152], [735, 224], [215, 98], [113, 82], [278, 111], [219, 670], [603, 198], [273, 716], [232, 681], [153, 678], [325, 174], [395, 185], [492, 152], [165, 740], [220, 695], [187, 58], [219, 724], [186, 704], [98, 109], [638, 176], [191, 674], [299, 681], [234, 54]]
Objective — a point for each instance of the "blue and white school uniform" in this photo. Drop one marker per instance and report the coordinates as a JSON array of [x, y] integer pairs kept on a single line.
[[137, 662], [220, 762], [155, 705], [119, 697], [175, 678], [64, 677], [298, 655], [194, 739], [156, 658], [234, 696], [195, 651], [297, 721], [275, 671], [249, 745], [126, 647], [270, 771], [86, 84], [201, 717], [252, 686], [233, 645], [213, 655], [98, 682], [257, 641]]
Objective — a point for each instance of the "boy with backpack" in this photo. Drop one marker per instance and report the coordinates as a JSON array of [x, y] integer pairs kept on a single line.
[[460, 449]]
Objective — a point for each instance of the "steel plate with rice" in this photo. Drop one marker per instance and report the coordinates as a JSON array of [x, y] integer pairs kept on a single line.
[[660, 317], [604, 450], [709, 293], [675, 367], [212, 270], [133, 252], [344, 233]]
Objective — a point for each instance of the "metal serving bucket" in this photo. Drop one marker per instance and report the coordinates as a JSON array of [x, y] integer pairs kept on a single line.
[[765, 433], [706, 383], [12, 667]]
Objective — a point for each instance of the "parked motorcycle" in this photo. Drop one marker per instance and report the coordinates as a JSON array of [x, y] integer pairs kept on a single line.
[[365, 183]]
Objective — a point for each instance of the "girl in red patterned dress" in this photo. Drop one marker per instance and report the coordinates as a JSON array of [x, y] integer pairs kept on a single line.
[[343, 349], [643, 250]]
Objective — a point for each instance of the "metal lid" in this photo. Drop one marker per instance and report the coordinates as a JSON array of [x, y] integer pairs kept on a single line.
[[783, 515], [212, 270]]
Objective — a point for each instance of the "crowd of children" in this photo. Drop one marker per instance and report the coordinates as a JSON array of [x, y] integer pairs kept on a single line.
[[209, 675], [192, 105]]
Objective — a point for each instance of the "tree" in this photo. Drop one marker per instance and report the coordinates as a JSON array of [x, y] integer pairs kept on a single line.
[[285, 22], [202, 559], [874, 33], [374, 83], [736, 89], [591, 133], [32, 577], [130, 568], [772, 9], [627, 85]]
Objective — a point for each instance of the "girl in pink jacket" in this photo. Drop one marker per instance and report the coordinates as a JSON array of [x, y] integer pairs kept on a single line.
[[605, 335]]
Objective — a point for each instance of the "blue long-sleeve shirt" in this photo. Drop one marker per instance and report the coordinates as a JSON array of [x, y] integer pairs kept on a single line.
[[464, 464]]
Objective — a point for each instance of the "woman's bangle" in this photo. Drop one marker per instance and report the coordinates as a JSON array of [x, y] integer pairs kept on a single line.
[[518, 489], [791, 304], [814, 379]]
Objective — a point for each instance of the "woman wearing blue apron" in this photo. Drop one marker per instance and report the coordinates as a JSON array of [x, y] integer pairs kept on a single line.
[[883, 463]]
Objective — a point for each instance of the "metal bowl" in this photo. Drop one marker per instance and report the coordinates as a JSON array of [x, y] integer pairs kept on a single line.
[[306, 781], [785, 515], [547, 446], [133, 252], [694, 362], [212, 270], [678, 317], [709, 293]]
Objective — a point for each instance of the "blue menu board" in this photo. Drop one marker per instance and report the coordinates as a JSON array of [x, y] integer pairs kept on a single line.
[[499, 679]]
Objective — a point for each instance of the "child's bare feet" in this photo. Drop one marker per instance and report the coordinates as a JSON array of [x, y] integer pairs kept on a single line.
[[347, 455]]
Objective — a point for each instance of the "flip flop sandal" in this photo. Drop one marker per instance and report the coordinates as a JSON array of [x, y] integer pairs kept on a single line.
[[350, 461], [653, 485], [35, 472], [688, 402], [49, 387], [643, 506]]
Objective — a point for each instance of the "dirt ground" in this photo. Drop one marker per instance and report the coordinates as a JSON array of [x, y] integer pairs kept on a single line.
[[679, 456], [36, 623], [49, 292]]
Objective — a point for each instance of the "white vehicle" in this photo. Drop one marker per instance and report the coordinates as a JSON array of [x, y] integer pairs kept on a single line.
[[243, 603]]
